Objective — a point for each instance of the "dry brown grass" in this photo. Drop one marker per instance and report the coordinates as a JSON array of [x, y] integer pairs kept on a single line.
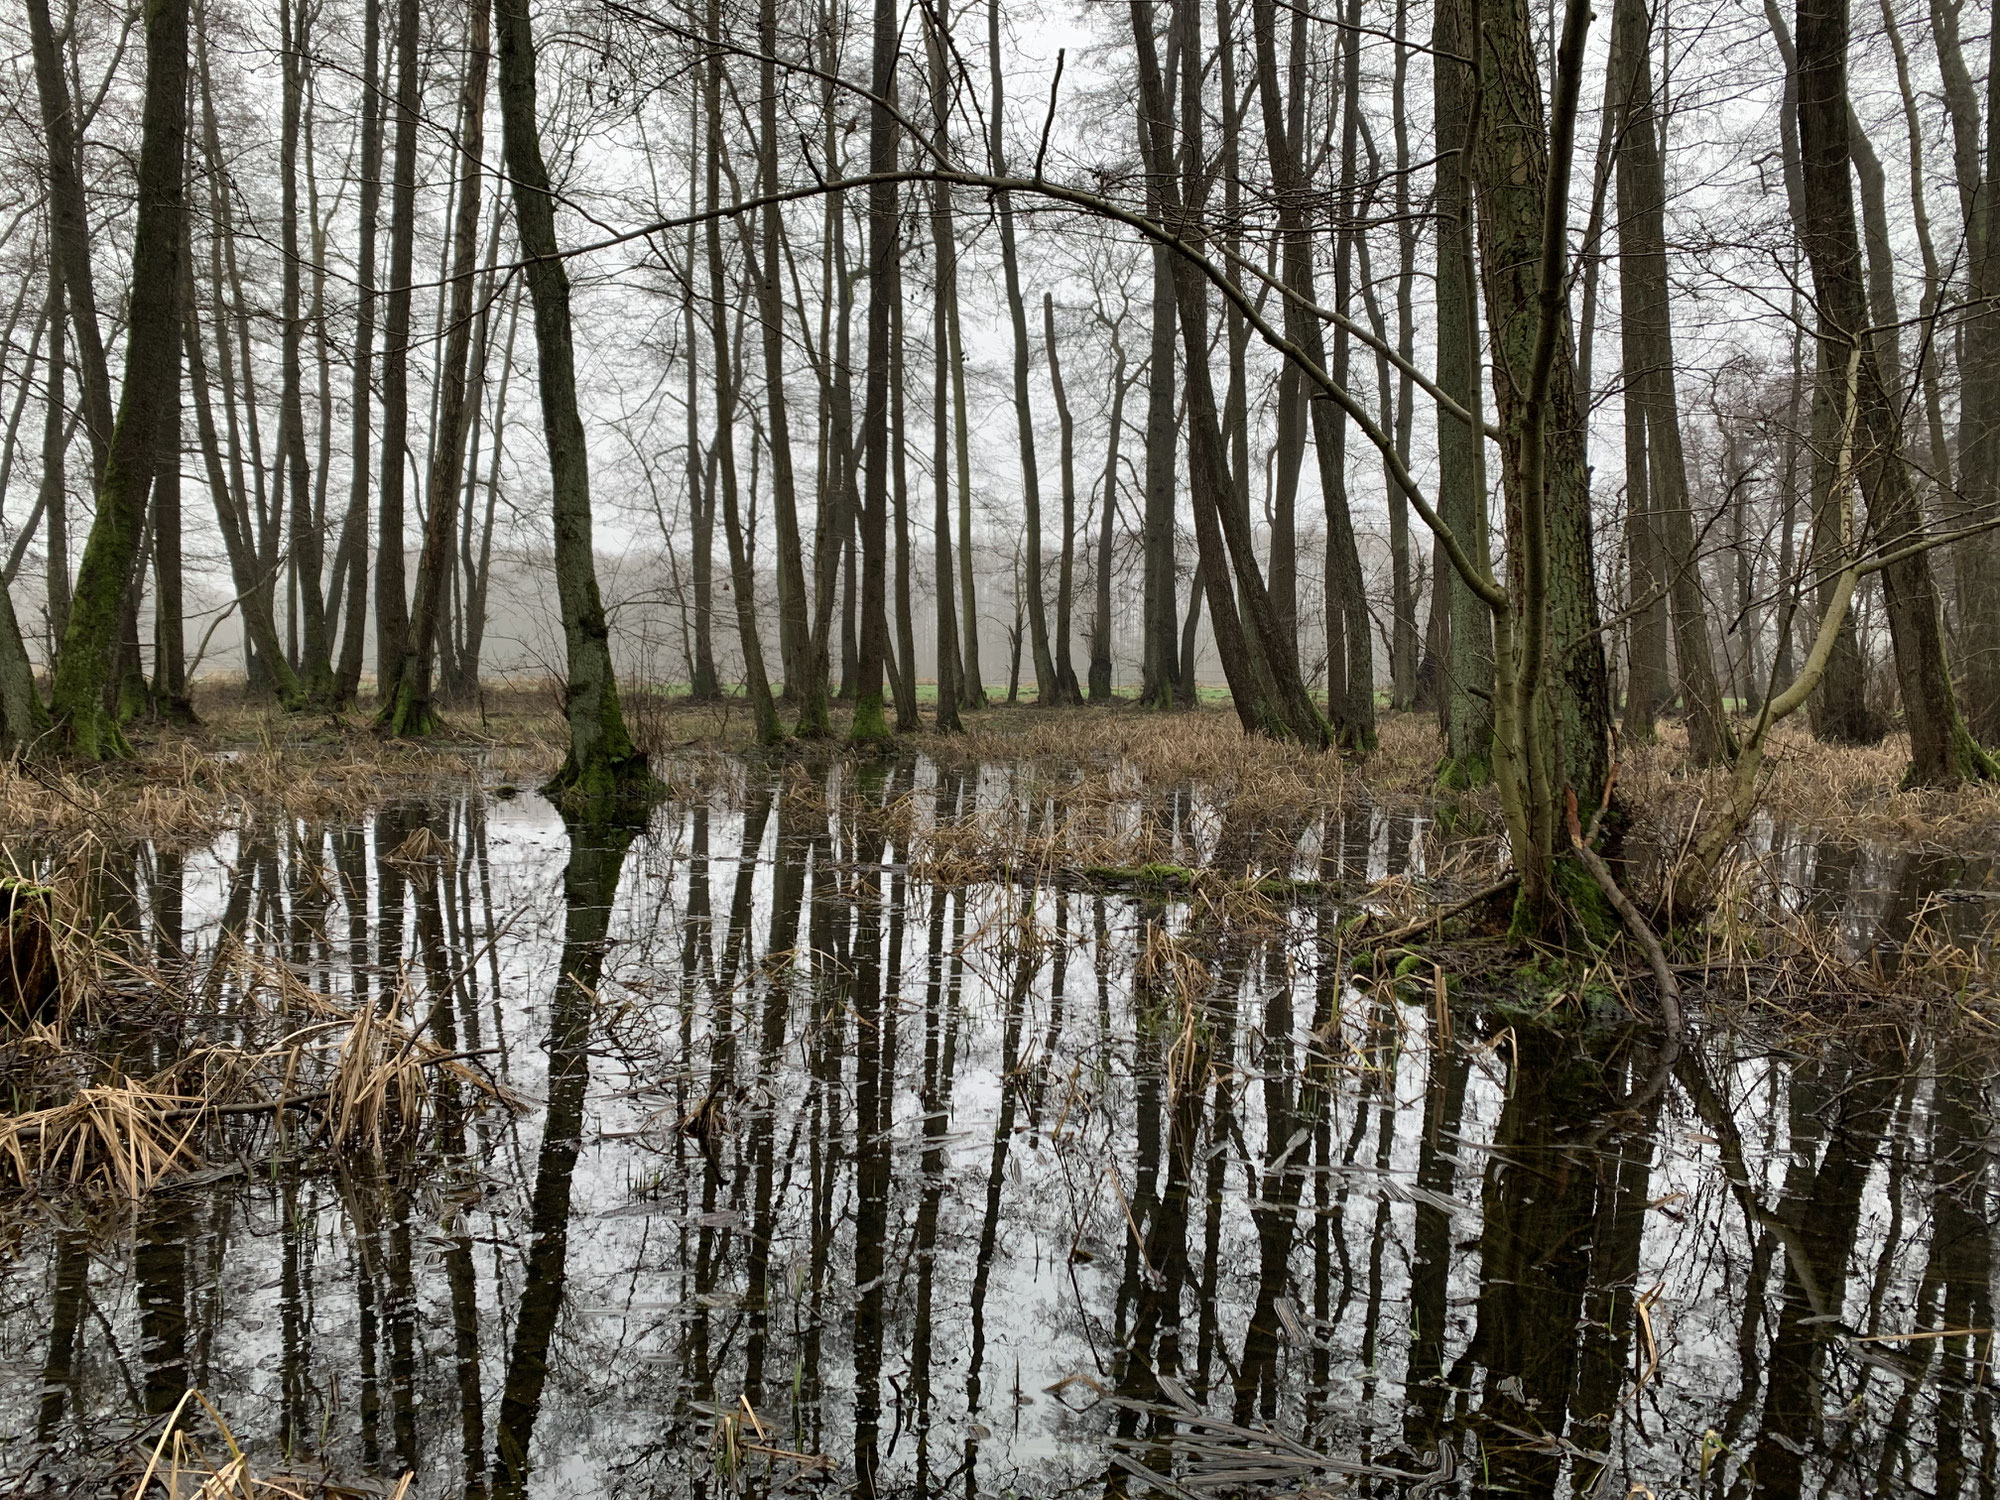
[[1835, 791], [360, 1077], [180, 1466]]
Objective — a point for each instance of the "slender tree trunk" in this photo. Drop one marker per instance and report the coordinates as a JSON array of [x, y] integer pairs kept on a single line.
[[1461, 483], [794, 604], [1100, 629], [1404, 661], [1067, 690], [55, 480], [392, 612], [1647, 329], [169, 691], [316, 661], [870, 722], [904, 658], [351, 556], [743, 577], [69, 231], [149, 395], [406, 683], [949, 678], [1350, 655], [603, 769], [1047, 687], [260, 631], [1942, 749], [1979, 433]]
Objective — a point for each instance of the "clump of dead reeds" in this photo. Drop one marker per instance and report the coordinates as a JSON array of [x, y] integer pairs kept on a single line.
[[181, 1465], [360, 1077]]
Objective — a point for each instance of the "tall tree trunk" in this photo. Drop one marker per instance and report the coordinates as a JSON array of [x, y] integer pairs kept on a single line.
[[1403, 648], [1647, 329], [316, 659], [1839, 710], [392, 610], [169, 691], [149, 395], [743, 577], [1067, 690], [1350, 655], [603, 769], [1562, 732], [794, 604], [351, 556], [260, 631], [944, 237], [870, 722], [1100, 628], [406, 684], [903, 661], [949, 672], [55, 479], [69, 232], [1979, 432], [1461, 483], [1942, 749], [1047, 688], [1264, 680]]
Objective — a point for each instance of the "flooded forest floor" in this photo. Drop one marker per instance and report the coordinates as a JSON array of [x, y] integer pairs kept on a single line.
[[1064, 1108]]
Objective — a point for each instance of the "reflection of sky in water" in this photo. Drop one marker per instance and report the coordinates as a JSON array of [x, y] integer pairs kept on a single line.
[[1399, 1167]]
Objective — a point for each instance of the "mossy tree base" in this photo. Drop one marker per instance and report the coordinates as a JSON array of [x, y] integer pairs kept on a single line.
[[871, 723], [614, 791]]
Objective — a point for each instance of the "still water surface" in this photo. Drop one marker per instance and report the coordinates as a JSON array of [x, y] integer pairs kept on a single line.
[[831, 1180]]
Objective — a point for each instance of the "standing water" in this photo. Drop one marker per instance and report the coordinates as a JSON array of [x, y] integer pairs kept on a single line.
[[780, 1150]]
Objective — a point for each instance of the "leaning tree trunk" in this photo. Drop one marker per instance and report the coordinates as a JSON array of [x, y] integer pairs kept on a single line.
[[150, 395], [603, 771], [1942, 749]]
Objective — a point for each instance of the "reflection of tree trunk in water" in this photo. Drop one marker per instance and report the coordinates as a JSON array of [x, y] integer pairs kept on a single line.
[[939, 1061], [295, 1424], [1222, 1013], [1962, 1260], [787, 899], [1539, 1205], [72, 1286], [590, 883], [159, 1267], [1825, 1215], [1026, 966], [399, 1312], [874, 1099], [1276, 1211], [1624, 1174], [828, 946], [1430, 1242]]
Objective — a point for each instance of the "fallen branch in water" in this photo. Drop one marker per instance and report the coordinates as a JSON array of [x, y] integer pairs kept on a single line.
[[1444, 914], [1635, 923]]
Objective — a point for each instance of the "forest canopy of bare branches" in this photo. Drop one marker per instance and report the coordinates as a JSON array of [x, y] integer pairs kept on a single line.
[[1548, 371]]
